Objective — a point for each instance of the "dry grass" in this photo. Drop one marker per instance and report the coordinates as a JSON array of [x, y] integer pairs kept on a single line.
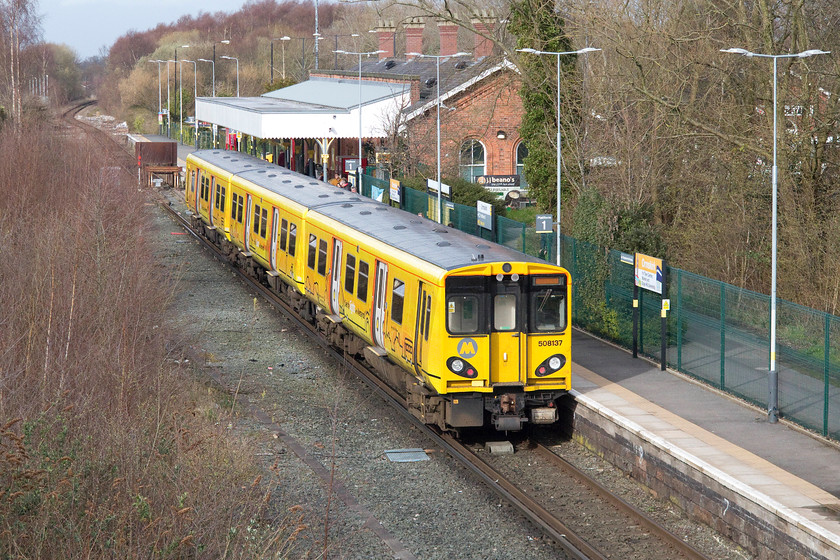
[[104, 450]]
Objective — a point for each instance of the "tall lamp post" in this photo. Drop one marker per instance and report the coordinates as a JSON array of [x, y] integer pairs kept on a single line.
[[168, 104], [283, 43], [437, 81], [359, 167], [195, 96], [160, 94], [213, 75], [559, 156], [180, 95], [222, 42], [237, 71], [773, 378]]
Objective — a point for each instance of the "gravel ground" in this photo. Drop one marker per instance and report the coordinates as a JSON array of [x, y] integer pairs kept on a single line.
[[431, 509]]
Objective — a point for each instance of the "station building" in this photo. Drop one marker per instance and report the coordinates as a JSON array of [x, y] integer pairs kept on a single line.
[[314, 126]]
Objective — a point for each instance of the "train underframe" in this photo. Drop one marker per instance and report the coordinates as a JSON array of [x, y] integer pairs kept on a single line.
[[509, 408]]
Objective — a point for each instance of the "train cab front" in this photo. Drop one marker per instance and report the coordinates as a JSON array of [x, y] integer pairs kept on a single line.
[[512, 340]]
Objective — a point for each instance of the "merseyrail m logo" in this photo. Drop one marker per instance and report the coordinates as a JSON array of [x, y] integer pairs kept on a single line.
[[467, 348]]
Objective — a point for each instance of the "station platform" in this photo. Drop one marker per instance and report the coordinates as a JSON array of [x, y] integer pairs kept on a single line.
[[723, 454]]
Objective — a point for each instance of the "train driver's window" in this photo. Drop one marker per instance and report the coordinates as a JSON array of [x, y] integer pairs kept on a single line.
[[350, 274], [504, 312], [462, 316], [397, 301], [548, 303]]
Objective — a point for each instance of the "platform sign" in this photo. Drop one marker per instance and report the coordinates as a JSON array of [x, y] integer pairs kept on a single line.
[[544, 223], [394, 192], [649, 273], [432, 188], [484, 215]]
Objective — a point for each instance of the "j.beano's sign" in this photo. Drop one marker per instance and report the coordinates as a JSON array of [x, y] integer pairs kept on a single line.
[[498, 180]]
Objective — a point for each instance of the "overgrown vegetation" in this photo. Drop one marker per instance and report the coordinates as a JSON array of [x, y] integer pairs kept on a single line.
[[107, 448]]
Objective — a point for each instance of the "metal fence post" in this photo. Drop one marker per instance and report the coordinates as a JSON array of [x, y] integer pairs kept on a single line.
[[722, 335], [826, 372]]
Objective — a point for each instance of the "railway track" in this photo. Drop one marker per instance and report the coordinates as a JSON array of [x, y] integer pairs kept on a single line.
[[663, 544], [574, 546]]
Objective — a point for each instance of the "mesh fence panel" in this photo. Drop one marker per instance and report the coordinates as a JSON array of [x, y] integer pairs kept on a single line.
[[716, 332]]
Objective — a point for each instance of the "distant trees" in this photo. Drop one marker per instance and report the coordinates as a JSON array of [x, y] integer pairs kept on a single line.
[[20, 25]]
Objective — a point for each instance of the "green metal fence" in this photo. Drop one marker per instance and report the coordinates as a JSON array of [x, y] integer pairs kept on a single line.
[[717, 332]]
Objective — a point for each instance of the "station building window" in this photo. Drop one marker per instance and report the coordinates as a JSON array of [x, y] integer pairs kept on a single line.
[[471, 160], [521, 154]]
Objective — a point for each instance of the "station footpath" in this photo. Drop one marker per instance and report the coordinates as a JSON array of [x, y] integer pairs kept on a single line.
[[773, 488]]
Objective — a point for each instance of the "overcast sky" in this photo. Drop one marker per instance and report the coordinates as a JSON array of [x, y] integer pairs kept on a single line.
[[88, 25]]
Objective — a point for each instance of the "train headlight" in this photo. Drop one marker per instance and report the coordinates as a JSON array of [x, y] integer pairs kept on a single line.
[[461, 367], [553, 364]]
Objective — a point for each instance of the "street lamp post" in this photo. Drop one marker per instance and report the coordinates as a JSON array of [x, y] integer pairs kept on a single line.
[[180, 96], [213, 78], [237, 71], [437, 81], [773, 378], [160, 94], [559, 156], [283, 43], [222, 42], [359, 167], [168, 103], [195, 98]]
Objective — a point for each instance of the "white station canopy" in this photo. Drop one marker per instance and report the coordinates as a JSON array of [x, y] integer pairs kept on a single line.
[[316, 108]]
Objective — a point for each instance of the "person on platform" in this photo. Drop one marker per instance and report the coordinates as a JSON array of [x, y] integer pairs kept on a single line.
[[343, 184], [335, 180]]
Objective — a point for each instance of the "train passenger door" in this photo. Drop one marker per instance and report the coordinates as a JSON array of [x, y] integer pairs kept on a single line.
[[210, 202], [335, 275], [421, 327], [505, 333], [249, 212], [380, 294], [194, 189], [272, 249]]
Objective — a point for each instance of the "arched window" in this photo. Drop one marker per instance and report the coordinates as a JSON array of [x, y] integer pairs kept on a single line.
[[521, 154], [471, 160]]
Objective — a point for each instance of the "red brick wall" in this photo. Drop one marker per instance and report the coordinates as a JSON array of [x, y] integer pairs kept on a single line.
[[478, 112]]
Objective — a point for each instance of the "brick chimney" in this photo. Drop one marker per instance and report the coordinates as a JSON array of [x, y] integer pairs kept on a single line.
[[448, 37], [484, 22], [385, 32], [414, 36]]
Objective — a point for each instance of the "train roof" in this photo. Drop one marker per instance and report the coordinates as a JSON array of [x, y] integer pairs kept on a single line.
[[442, 246]]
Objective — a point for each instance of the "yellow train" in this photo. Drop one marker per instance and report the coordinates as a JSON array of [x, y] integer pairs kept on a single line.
[[471, 332]]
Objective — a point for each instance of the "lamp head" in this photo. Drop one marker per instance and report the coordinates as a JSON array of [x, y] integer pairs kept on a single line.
[[735, 50], [812, 52]]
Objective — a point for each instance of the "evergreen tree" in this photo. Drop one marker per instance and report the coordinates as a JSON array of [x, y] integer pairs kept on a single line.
[[537, 25]]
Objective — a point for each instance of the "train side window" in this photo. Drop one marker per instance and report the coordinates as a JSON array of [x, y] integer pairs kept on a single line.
[[263, 222], [428, 315], [322, 257], [350, 274], [548, 303], [292, 238], [397, 301], [222, 206], [284, 230], [257, 221], [240, 209], [362, 288], [218, 198], [462, 315], [313, 251]]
